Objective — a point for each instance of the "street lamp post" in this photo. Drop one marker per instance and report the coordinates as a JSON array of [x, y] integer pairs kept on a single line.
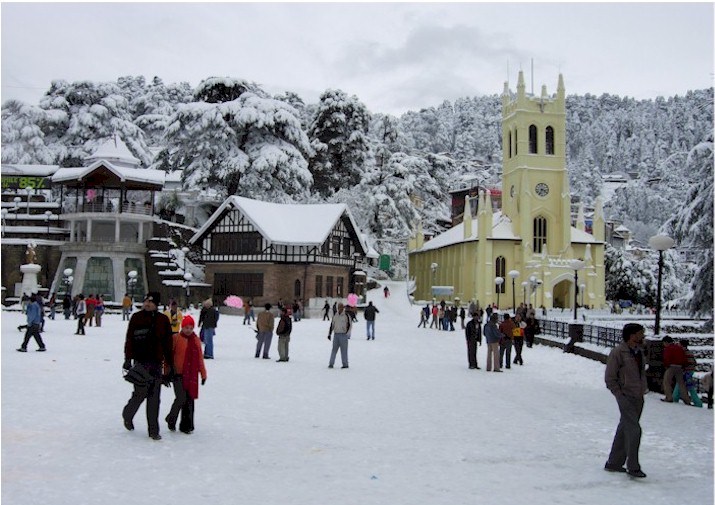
[[582, 287], [68, 279], [660, 243], [523, 285], [48, 215], [434, 267], [498, 281], [513, 274], [187, 280], [131, 282], [576, 265]]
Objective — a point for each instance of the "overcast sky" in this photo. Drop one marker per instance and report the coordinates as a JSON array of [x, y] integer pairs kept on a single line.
[[394, 57]]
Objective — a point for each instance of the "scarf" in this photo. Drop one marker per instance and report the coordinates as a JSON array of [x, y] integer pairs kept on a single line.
[[190, 374]]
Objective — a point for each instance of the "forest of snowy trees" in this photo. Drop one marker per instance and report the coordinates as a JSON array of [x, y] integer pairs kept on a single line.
[[232, 136]]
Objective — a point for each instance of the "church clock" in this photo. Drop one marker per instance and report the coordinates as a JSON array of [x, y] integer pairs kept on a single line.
[[542, 189]]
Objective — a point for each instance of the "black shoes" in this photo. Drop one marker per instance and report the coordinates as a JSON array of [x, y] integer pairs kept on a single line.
[[129, 425], [155, 436], [638, 474], [41, 349], [172, 426], [21, 349], [344, 366], [613, 468], [330, 366]]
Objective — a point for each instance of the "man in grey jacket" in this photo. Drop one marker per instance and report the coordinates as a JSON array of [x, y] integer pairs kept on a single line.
[[340, 326], [625, 378]]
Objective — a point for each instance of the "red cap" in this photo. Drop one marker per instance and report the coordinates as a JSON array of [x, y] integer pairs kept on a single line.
[[187, 321]]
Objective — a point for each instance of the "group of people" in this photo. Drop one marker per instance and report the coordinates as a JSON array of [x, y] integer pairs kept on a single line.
[[500, 337], [169, 358], [678, 380]]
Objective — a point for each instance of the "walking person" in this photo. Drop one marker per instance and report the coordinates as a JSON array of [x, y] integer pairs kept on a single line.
[[188, 365], [81, 311], [369, 313], [53, 305], [248, 312], [208, 321], [175, 316], [341, 325], [473, 335], [674, 361], [126, 307], [492, 336], [99, 311], [424, 316], [148, 343], [326, 311], [91, 303], [462, 315], [506, 328], [265, 324], [625, 377], [518, 339], [436, 321], [67, 306], [34, 322], [285, 326]]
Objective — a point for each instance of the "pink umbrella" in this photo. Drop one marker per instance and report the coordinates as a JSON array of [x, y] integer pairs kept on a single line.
[[233, 301], [352, 300]]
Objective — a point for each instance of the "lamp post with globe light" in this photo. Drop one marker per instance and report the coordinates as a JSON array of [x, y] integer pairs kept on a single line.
[[498, 281], [131, 282], [524, 285], [576, 265], [660, 243], [513, 274], [187, 280]]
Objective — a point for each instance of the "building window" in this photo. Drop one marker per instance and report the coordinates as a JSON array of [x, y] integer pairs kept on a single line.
[[336, 246], [339, 287], [319, 286], [297, 291], [99, 278], [329, 286], [501, 272], [509, 153], [532, 139], [549, 140], [346, 247], [245, 243], [539, 233], [325, 248], [516, 142], [241, 284]]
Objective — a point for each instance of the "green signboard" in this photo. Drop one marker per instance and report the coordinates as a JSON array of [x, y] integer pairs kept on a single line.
[[385, 262], [25, 181]]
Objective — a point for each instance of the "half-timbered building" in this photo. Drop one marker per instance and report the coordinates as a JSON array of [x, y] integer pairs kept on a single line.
[[269, 251]]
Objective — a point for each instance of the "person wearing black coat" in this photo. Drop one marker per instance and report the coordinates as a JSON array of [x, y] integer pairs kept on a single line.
[[149, 344], [473, 334], [369, 314]]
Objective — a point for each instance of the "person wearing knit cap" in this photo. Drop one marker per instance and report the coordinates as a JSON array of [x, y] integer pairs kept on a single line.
[[188, 365]]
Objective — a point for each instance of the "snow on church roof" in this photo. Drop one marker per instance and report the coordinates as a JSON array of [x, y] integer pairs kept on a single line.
[[286, 224], [501, 230]]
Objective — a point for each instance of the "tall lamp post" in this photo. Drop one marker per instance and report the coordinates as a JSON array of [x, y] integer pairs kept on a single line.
[[131, 282], [582, 287], [434, 267], [187, 280], [68, 279], [576, 265], [523, 285], [513, 274], [498, 281], [660, 243]]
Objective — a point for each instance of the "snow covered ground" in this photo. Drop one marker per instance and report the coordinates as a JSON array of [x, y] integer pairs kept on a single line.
[[407, 423]]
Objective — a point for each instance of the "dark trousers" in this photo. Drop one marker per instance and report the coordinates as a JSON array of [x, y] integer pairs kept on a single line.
[[80, 325], [472, 352], [33, 330], [505, 351], [264, 341], [518, 346], [152, 394], [184, 404], [628, 434]]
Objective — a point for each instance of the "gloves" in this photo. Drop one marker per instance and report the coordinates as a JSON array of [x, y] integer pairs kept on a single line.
[[329, 336], [203, 381], [127, 364]]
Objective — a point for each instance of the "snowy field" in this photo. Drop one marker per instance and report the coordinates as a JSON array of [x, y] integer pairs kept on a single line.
[[407, 423]]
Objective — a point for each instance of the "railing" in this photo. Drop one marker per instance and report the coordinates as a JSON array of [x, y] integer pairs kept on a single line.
[[127, 208]]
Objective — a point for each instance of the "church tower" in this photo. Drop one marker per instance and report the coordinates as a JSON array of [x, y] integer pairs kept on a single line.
[[535, 191]]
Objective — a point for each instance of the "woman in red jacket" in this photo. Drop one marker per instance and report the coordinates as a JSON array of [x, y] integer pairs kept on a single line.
[[188, 364]]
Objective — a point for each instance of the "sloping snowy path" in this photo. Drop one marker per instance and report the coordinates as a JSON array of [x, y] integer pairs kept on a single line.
[[407, 423]]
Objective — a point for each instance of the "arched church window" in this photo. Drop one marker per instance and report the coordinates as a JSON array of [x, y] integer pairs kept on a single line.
[[532, 139], [549, 140], [509, 153], [501, 272], [539, 233], [516, 142]]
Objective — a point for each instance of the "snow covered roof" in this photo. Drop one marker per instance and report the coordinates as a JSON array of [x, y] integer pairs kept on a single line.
[[34, 170], [116, 151], [145, 175], [286, 224], [501, 230]]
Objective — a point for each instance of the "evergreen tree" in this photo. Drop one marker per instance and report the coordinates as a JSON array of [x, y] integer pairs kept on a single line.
[[338, 135], [23, 141]]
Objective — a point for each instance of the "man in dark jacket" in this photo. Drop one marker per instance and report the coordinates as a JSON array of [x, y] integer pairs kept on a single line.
[[370, 312], [473, 333], [285, 326], [149, 344], [625, 378]]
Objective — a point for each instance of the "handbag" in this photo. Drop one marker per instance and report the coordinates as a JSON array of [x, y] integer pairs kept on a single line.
[[138, 375]]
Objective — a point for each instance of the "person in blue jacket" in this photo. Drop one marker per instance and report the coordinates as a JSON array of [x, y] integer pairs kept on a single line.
[[34, 322]]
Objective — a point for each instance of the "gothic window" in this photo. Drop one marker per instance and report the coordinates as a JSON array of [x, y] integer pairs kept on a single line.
[[549, 140], [516, 142], [297, 292], [509, 153], [501, 272], [532, 139], [539, 233]]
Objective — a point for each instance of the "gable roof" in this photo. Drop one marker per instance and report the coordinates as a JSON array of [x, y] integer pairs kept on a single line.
[[286, 223], [141, 175], [115, 150]]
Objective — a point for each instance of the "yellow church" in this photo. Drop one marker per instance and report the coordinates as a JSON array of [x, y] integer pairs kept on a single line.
[[527, 251]]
